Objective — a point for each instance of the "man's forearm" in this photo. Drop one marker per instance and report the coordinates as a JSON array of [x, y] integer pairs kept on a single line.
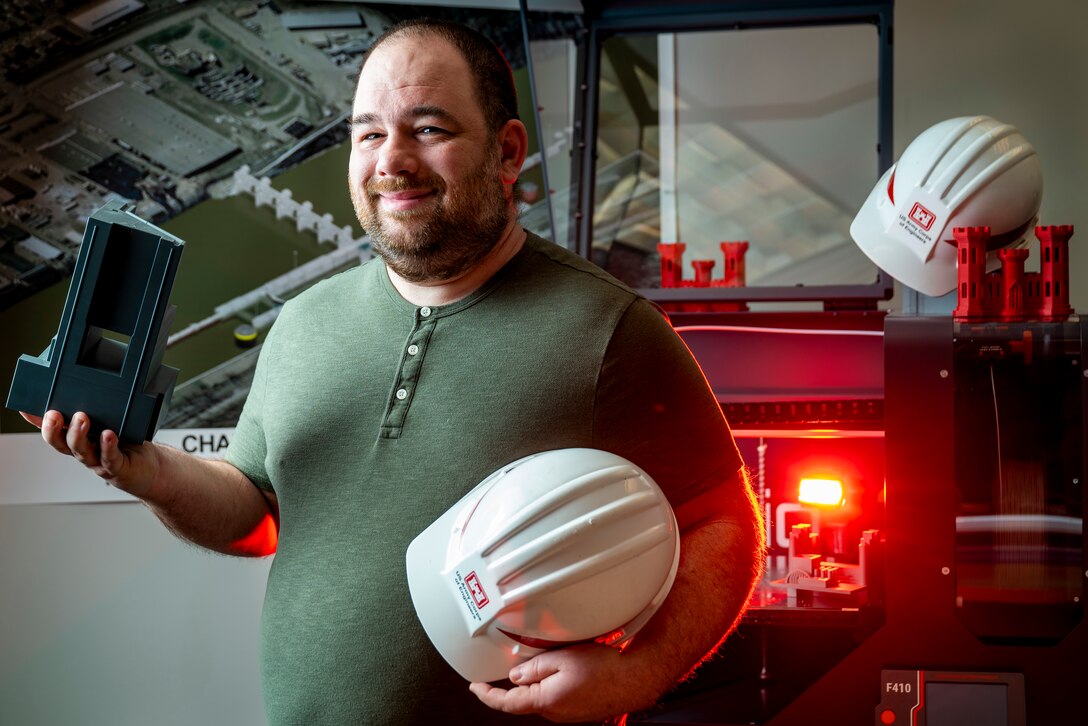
[[720, 561], [212, 504], [209, 503]]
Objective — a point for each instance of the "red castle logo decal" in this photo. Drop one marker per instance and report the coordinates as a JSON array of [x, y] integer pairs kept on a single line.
[[472, 581], [922, 216]]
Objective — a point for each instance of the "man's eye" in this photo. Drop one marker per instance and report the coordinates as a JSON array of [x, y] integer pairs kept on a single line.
[[431, 131]]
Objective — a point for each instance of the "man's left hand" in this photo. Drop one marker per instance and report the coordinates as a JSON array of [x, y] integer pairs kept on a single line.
[[580, 683]]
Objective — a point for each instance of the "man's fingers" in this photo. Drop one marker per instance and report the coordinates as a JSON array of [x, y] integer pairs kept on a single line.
[[78, 441], [519, 700], [102, 456], [109, 453], [527, 695], [53, 432], [534, 670]]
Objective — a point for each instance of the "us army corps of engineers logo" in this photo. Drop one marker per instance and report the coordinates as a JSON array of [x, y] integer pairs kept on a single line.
[[922, 216], [471, 591]]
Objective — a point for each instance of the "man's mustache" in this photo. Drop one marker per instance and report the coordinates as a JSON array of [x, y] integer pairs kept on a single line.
[[405, 184]]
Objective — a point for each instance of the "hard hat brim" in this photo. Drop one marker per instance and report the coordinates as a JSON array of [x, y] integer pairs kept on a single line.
[[869, 231], [487, 656]]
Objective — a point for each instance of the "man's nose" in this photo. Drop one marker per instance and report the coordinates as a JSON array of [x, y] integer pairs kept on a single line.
[[397, 156]]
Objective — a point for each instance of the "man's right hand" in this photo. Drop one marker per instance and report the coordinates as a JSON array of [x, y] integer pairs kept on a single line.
[[130, 468]]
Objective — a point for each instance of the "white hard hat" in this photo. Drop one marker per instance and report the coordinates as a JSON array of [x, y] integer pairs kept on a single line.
[[963, 172], [557, 548]]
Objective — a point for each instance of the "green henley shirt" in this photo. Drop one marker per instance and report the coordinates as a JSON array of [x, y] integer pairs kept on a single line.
[[370, 416]]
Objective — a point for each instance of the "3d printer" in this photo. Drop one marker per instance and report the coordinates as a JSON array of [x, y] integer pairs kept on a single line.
[[921, 475]]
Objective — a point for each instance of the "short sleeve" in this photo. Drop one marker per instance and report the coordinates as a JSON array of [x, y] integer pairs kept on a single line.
[[654, 407], [248, 447]]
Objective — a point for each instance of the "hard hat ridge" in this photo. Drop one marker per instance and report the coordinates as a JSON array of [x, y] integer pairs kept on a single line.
[[509, 566], [958, 166], [954, 134]]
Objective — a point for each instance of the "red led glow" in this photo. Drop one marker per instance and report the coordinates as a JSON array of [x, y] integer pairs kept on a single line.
[[261, 541], [825, 492]]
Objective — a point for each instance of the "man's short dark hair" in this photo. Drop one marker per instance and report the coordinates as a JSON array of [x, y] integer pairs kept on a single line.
[[494, 80]]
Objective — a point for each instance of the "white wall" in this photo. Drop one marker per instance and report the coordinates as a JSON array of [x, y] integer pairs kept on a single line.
[[108, 620]]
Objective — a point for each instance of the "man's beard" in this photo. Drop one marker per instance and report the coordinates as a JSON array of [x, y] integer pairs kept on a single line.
[[446, 236]]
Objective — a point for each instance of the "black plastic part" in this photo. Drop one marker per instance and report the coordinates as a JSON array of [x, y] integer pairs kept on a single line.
[[106, 358]]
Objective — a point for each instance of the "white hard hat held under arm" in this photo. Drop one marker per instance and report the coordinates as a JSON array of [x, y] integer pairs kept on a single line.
[[557, 548]]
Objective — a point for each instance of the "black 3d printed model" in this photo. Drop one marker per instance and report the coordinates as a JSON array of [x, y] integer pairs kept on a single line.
[[106, 358]]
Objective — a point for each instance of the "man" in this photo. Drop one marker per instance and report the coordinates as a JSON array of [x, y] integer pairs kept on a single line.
[[386, 393]]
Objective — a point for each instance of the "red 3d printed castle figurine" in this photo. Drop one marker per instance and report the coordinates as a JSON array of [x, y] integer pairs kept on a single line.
[[672, 266], [672, 274], [1011, 294]]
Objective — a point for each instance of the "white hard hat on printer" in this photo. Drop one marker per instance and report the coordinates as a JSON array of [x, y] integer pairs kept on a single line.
[[963, 172]]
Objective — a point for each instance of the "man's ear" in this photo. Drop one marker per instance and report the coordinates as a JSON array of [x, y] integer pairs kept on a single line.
[[513, 144]]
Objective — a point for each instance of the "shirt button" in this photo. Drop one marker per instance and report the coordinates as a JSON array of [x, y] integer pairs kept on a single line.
[[402, 394], [413, 349], [425, 312]]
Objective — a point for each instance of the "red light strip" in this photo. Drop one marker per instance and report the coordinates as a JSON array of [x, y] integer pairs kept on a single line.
[[921, 698], [786, 331]]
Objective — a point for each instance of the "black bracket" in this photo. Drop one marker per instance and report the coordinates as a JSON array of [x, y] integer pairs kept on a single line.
[[106, 358]]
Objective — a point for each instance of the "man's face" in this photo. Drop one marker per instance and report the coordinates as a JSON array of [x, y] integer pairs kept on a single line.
[[425, 171]]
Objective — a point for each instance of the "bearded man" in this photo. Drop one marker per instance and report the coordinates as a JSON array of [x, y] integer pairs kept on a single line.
[[384, 394]]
